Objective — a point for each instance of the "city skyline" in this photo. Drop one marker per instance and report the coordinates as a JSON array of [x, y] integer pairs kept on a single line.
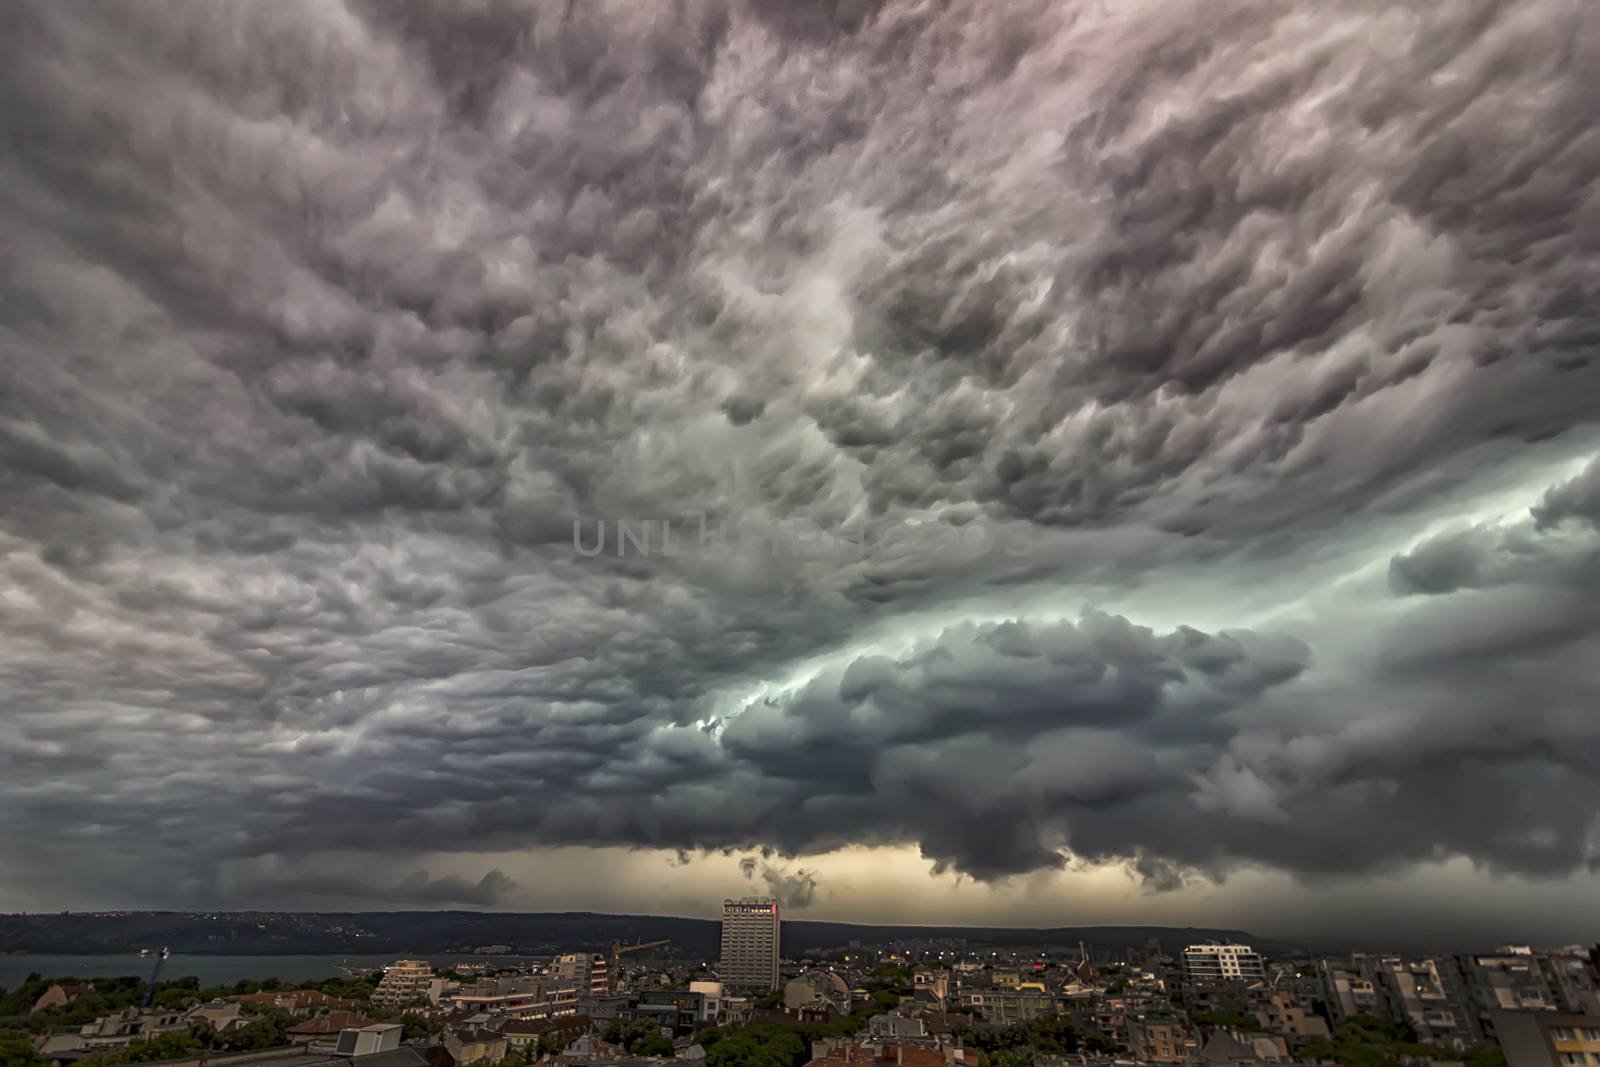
[[1195, 402]]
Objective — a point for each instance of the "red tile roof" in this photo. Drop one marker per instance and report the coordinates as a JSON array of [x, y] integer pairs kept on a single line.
[[331, 1023]]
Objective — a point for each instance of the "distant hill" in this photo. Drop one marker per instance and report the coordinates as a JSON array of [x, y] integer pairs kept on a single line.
[[265, 933]]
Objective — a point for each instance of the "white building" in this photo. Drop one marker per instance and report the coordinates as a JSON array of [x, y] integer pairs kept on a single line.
[[589, 975], [711, 1011], [750, 943], [404, 982], [1218, 961]]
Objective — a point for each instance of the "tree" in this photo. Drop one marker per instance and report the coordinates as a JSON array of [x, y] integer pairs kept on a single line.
[[173, 1046], [651, 1044], [416, 1028], [553, 1044], [15, 1052]]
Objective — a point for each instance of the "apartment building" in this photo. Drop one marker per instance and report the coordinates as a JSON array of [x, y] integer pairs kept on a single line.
[[1547, 1038], [1351, 988], [404, 982], [588, 974], [1426, 994], [1160, 1037], [1214, 961], [750, 943]]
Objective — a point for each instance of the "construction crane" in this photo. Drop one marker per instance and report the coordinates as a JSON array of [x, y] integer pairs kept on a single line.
[[618, 950], [155, 972]]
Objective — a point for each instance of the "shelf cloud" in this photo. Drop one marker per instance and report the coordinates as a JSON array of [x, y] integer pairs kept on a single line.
[[1267, 329]]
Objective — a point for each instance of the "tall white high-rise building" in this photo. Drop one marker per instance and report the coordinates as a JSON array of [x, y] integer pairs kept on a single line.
[[750, 943]]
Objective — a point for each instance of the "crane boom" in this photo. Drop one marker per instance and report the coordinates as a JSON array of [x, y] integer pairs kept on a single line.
[[618, 950], [155, 972]]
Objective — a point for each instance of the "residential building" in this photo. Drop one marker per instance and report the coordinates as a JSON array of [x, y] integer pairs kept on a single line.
[[1425, 994], [1350, 988], [711, 1001], [525, 1034], [60, 995], [1282, 1013], [1008, 1007], [470, 1045], [677, 1010], [120, 1028], [369, 1040], [1214, 960], [895, 1028], [322, 1032], [1547, 1038], [404, 982], [1159, 1037], [297, 1001], [589, 975], [1509, 980], [1231, 1048], [221, 1015], [750, 943], [935, 983], [605, 1010], [1574, 979], [517, 997], [815, 988]]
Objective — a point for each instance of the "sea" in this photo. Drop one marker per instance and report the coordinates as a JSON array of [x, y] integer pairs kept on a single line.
[[225, 970]]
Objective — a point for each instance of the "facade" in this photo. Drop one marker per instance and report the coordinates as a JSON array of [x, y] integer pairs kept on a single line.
[[1350, 988], [404, 982], [324, 1030], [711, 1002], [1425, 994], [525, 1034], [1234, 1049], [369, 1040], [1574, 979], [1214, 961], [473, 1046], [297, 1001], [518, 997], [588, 975], [1008, 1007], [750, 943], [1159, 1037], [895, 1028], [678, 1010], [815, 989], [1282, 1013], [1548, 1038], [1507, 981]]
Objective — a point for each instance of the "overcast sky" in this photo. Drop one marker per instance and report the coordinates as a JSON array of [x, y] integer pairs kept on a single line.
[[1154, 441]]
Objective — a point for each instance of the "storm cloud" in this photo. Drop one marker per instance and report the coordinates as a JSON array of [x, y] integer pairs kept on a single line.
[[1266, 330]]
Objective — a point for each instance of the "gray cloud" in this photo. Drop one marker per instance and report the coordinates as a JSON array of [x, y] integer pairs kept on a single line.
[[326, 320]]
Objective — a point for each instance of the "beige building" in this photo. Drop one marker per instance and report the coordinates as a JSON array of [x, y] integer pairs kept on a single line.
[[1159, 1037], [588, 975], [1547, 1038], [1283, 1014], [750, 943], [404, 982]]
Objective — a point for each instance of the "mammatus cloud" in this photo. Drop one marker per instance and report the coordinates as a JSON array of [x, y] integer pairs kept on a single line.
[[1271, 325]]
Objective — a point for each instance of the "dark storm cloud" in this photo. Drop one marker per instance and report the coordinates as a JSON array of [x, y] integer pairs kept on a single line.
[[323, 322], [416, 888]]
